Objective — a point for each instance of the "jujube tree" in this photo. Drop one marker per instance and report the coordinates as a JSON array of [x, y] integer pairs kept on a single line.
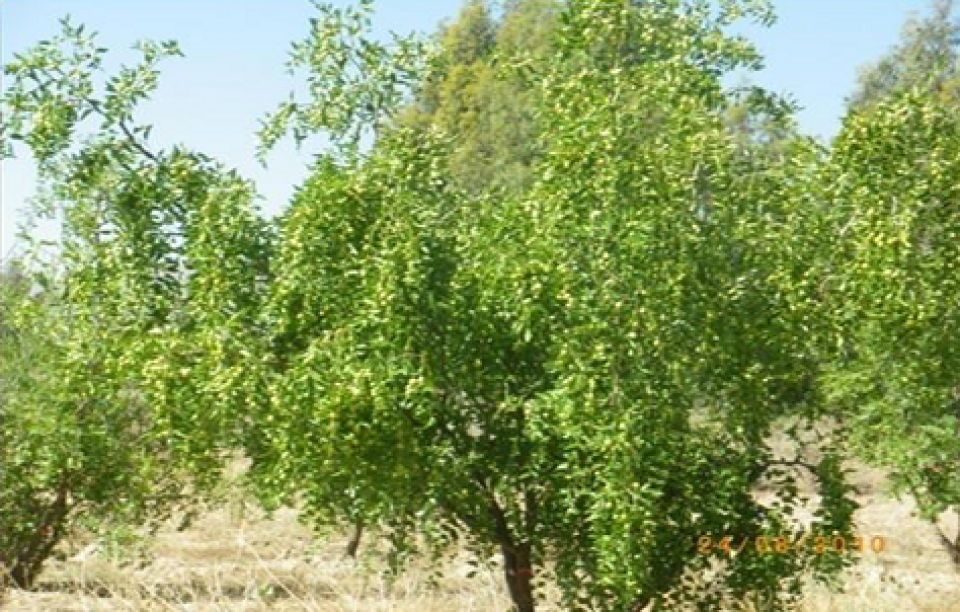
[[893, 177], [523, 372], [123, 347]]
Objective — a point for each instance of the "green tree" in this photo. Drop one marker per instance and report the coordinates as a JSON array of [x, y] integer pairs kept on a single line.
[[474, 97], [482, 94], [927, 57], [522, 373], [116, 404], [893, 179]]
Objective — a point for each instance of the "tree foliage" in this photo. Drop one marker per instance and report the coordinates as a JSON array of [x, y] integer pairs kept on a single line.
[[355, 83], [480, 99], [123, 367], [522, 372], [893, 177], [928, 57]]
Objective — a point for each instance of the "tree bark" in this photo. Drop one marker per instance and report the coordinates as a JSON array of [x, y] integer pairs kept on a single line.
[[353, 544], [952, 546], [22, 570], [519, 575], [516, 562]]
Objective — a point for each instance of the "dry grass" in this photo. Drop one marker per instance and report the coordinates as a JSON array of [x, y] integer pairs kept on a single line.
[[232, 564], [223, 563], [913, 573]]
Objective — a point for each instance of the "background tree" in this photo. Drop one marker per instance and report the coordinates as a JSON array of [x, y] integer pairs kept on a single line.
[[487, 107], [927, 57], [478, 101]]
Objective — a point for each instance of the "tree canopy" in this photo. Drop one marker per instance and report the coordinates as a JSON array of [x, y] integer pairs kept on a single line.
[[927, 57]]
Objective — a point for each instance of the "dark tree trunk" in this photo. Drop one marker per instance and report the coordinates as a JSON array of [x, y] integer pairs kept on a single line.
[[24, 568], [353, 544], [22, 560], [952, 547], [516, 561], [519, 575]]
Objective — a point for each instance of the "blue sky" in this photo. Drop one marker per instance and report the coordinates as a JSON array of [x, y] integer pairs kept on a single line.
[[235, 51]]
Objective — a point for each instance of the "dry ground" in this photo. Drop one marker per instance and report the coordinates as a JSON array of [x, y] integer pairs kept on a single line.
[[232, 564]]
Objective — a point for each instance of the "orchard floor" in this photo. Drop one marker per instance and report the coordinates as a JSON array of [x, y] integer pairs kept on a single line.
[[231, 564]]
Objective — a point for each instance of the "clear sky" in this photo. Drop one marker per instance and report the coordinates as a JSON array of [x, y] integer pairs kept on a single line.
[[235, 51]]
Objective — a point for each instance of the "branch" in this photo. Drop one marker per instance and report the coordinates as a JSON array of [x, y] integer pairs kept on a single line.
[[97, 106], [131, 137], [953, 548], [136, 143]]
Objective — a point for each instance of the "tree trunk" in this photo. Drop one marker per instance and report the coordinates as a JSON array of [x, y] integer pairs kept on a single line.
[[519, 575], [22, 571], [22, 560], [516, 558], [353, 544], [952, 546]]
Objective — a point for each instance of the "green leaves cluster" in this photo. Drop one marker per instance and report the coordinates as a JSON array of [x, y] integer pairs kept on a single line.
[[355, 84], [893, 174], [125, 353]]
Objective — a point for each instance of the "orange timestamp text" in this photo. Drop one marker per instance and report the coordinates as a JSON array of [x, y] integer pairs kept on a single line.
[[769, 544]]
